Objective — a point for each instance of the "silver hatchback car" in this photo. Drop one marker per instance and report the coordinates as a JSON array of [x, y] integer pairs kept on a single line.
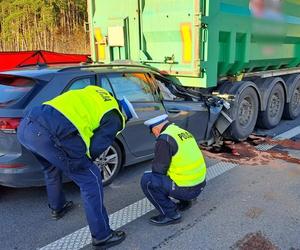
[[150, 92]]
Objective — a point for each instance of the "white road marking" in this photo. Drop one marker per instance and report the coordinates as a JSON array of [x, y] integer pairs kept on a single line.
[[82, 237], [286, 135]]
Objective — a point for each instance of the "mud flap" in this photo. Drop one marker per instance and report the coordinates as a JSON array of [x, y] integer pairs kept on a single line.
[[214, 113], [223, 122], [217, 117]]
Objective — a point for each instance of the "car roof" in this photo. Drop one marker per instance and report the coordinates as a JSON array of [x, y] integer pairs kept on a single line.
[[46, 73], [113, 67]]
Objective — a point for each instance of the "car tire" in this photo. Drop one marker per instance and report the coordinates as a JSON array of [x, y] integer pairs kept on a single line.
[[110, 162]]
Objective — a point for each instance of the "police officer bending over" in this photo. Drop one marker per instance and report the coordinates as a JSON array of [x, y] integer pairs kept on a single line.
[[66, 134], [178, 171]]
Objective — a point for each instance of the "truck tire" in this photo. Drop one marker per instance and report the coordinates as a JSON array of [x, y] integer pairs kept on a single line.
[[244, 114], [292, 109], [271, 116]]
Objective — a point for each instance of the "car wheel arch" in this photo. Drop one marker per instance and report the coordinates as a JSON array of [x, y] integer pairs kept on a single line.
[[122, 148]]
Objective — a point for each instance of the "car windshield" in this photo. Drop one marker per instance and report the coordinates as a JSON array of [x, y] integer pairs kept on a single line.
[[13, 89]]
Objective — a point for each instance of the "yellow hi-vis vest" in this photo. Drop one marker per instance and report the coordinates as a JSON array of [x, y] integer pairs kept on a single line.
[[187, 166], [84, 108]]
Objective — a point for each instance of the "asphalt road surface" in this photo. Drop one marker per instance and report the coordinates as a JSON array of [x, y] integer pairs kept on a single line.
[[255, 203]]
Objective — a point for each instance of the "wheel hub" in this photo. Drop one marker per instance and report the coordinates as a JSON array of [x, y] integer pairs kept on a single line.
[[245, 112], [296, 99], [274, 105], [108, 162]]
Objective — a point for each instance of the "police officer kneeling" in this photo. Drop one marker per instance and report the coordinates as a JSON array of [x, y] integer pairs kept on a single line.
[[66, 134], [178, 171]]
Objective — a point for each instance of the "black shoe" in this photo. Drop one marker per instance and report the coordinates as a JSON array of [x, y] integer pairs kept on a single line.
[[56, 215], [115, 238], [162, 220], [184, 205]]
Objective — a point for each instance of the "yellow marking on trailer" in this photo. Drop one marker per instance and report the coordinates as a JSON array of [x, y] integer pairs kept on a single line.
[[186, 35], [100, 41]]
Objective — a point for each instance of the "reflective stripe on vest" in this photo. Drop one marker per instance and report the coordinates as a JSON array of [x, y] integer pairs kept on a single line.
[[84, 108], [187, 166]]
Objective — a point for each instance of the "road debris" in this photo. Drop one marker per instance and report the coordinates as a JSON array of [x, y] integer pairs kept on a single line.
[[254, 212], [245, 153], [255, 241]]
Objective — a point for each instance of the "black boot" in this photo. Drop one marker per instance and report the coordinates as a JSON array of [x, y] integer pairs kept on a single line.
[[162, 220], [56, 215], [115, 238], [184, 205]]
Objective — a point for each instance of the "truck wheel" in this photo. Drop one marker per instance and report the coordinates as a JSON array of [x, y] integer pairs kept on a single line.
[[244, 114], [110, 162], [292, 109], [272, 115]]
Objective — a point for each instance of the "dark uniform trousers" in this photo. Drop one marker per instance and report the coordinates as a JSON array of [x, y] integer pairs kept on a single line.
[[59, 148], [159, 188]]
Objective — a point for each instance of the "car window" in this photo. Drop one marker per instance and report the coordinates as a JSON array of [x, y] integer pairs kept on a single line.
[[80, 83], [13, 89], [104, 83], [164, 89], [134, 86]]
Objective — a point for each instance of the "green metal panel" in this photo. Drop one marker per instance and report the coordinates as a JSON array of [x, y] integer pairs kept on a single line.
[[163, 39], [114, 14], [224, 36]]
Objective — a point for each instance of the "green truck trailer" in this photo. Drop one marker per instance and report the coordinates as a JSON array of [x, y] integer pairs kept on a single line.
[[244, 51]]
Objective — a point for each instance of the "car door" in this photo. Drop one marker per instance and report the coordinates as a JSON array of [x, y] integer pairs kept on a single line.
[[138, 89], [188, 114]]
